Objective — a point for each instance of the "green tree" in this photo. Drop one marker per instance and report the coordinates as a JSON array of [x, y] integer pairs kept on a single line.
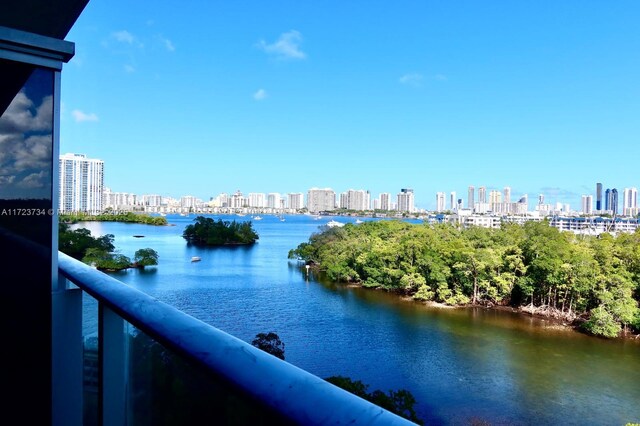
[[602, 323], [400, 402], [145, 257], [270, 343]]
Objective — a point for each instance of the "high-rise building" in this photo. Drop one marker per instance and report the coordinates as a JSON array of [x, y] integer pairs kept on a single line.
[[152, 200], [630, 202], [189, 201], [440, 202], [587, 204], [320, 200], [452, 201], [355, 200], [257, 199], [273, 200], [495, 197], [406, 200], [471, 197], [507, 194], [611, 200], [385, 201], [238, 200], [482, 194], [296, 200], [598, 196], [540, 199], [81, 183]]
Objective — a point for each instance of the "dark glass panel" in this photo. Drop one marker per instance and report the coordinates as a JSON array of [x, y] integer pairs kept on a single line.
[[26, 159]]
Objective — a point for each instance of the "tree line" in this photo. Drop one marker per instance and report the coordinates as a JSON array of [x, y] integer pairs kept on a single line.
[[594, 281], [109, 216], [100, 251]]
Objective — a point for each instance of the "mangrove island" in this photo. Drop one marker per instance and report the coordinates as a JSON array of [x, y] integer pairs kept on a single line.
[[590, 282], [208, 232]]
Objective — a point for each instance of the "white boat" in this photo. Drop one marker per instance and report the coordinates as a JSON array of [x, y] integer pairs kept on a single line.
[[358, 221], [196, 259], [334, 223], [257, 218]]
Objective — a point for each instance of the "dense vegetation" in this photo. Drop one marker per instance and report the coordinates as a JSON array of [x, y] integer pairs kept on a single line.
[[99, 251], [129, 217], [592, 280], [206, 231]]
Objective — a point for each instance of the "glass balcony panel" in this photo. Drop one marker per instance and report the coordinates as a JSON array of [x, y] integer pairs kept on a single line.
[[90, 364], [163, 389]]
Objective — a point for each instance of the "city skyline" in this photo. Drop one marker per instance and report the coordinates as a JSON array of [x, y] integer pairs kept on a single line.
[[275, 99]]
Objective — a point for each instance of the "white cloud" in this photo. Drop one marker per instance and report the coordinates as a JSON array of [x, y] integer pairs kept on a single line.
[[80, 116], [440, 77], [260, 95], [129, 68], [34, 180], [167, 44], [412, 79], [25, 147], [124, 36], [286, 47]]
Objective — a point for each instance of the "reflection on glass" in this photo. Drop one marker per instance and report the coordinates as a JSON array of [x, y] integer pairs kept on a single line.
[[26, 147]]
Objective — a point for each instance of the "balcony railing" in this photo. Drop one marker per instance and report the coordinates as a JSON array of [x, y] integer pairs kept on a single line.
[[261, 382]]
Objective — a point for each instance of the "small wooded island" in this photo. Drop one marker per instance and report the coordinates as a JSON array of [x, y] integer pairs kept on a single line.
[[208, 232]]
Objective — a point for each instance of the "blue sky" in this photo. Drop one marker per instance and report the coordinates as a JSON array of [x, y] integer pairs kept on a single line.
[[202, 97]]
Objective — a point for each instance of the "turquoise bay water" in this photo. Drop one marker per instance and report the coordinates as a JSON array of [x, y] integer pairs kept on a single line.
[[460, 364]]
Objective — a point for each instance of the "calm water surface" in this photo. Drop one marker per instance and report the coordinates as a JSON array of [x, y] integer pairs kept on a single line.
[[460, 364]]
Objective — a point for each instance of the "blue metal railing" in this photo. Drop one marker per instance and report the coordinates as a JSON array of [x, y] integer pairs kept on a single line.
[[281, 387]]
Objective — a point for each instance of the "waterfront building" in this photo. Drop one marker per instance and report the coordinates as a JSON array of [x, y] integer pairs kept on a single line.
[[273, 200], [358, 200], [376, 204], [453, 204], [81, 183], [507, 194], [440, 202], [151, 200], [406, 200], [256, 199], [630, 202], [222, 200], [482, 194], [598, 196], [237, 200], [385, 201], [296, 200], [188, 201], [320, 200], [587, 204], [611, 200], [470, 197], [118, 200]]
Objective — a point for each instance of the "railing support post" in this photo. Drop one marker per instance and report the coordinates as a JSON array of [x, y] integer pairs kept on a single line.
[[67, 361], [112, 354]]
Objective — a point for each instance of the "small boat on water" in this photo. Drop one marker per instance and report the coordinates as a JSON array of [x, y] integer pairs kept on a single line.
[[257, 218], [196, 259], [358, 221], [334, 223]]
